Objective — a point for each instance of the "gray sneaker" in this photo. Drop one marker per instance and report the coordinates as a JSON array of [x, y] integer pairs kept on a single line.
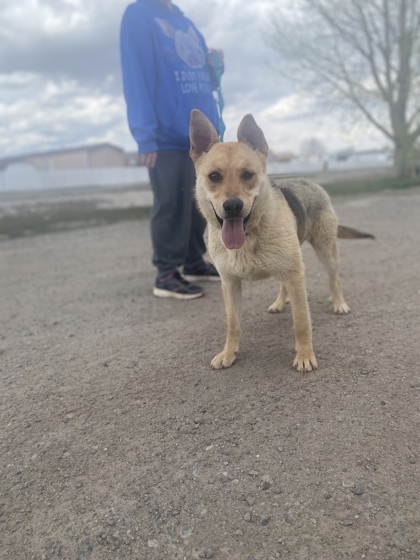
[[206, 271], [175, 286]]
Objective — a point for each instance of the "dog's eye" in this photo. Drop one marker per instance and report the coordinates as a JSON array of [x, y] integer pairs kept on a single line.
[[247, 176], [215, 177]]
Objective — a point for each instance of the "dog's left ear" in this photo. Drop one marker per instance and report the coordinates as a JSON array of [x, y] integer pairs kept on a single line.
[[202, 134], [250, 133]]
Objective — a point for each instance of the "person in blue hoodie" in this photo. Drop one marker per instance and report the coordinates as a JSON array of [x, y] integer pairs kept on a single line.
[[166, 73]]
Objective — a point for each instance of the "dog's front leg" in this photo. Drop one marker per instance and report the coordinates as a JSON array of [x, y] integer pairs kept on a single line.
[[231, 288], [305, 358]]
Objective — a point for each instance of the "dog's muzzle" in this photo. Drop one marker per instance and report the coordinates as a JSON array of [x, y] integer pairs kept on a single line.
[[232, 224]]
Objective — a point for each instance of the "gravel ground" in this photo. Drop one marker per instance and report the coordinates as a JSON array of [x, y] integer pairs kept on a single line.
[[118, 440]]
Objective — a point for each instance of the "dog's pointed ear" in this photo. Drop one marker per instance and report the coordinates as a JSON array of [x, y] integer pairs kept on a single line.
[[250, 133], [203, 135]]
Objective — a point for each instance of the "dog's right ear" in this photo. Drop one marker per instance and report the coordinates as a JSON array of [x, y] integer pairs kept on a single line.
[[203, 135]]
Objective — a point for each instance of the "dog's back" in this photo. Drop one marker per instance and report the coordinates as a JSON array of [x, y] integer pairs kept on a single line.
[[309, 203]]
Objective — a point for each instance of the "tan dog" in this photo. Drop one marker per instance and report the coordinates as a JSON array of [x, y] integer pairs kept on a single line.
[[255, 229]]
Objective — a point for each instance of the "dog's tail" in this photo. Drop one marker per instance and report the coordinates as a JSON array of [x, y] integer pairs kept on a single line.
[[350, 233]]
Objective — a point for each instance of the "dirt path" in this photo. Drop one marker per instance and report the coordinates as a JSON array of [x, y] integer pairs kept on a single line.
[[117, 440]]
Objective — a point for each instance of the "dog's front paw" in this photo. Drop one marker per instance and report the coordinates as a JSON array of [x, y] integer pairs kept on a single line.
[[223, 360], [305, 361], [341, 308]]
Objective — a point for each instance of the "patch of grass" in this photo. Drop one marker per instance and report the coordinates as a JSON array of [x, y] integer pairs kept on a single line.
[[371, 185], [65, 219]]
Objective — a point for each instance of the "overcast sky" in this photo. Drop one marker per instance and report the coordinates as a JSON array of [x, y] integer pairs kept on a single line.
[[60, 79]]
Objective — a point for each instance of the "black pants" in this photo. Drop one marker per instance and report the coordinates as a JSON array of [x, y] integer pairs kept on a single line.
[[177, 227]]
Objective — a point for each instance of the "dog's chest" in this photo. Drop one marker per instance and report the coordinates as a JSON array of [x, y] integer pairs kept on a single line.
[[248, 267], [250, 263]]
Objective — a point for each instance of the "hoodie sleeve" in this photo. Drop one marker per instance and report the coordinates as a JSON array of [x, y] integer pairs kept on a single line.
[[139, 78]]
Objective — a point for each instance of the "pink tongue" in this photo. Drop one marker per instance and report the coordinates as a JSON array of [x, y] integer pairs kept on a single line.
[[233, 233]]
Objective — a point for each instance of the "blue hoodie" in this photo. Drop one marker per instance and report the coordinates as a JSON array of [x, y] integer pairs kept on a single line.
[[165, 75]]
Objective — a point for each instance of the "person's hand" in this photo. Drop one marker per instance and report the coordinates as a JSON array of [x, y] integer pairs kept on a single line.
[[148, 160], [221, 56]]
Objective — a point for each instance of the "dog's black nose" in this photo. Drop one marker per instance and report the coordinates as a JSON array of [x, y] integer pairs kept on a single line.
[[233, 207]]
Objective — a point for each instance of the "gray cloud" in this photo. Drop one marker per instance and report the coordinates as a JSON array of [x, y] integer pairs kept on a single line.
[[67, 44], [60, 79]]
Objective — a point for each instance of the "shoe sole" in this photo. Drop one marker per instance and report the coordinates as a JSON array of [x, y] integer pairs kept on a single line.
[[191, 278], [158, 292]]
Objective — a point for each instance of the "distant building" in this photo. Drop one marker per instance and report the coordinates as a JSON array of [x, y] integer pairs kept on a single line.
[[83, 157], [132, 159]]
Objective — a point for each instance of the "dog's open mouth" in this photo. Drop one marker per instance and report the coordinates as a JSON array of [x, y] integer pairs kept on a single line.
[[233, 230]]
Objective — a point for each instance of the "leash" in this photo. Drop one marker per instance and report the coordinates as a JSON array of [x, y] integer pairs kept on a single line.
[[218, 71]]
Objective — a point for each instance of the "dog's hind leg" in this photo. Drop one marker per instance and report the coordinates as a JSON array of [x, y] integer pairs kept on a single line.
[[281, 300], [232, 288], [328, 255]]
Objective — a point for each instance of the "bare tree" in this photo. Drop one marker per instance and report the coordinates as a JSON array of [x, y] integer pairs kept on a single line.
[[362, 53]]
